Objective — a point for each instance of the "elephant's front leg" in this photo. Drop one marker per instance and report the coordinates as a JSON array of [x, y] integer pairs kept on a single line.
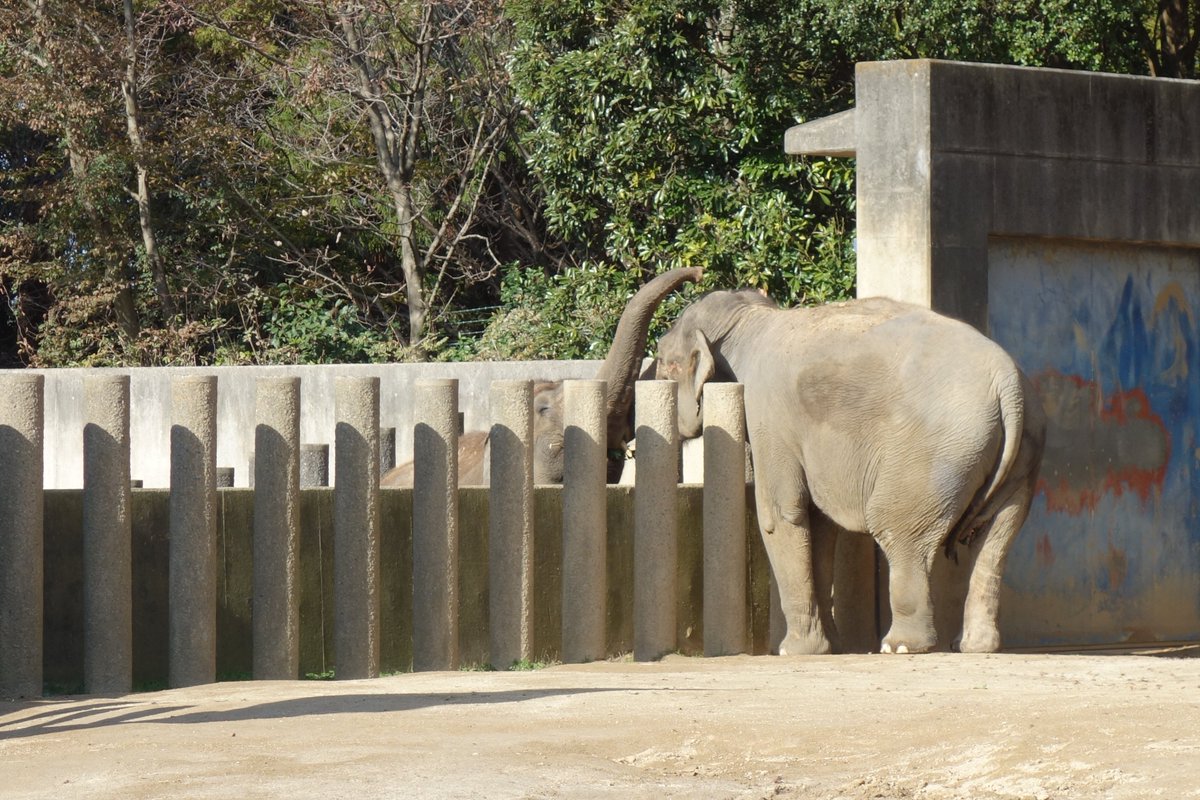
[[789, 544]]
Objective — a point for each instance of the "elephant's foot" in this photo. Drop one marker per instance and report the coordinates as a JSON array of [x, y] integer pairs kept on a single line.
[[805, 640], [909, 637], [982, 638], [804, 646]]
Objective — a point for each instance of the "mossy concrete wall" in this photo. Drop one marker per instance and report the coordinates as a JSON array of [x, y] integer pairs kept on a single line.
[[63, 668]]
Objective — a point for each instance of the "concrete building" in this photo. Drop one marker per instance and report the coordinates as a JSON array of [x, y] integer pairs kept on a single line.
[[1057, 212]]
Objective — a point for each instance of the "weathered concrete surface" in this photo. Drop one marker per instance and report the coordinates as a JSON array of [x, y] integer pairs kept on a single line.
[[356, 553], [192, 606], [724, 520], [435, 526], [276, 605], [149, 512], [21, 522], [655, 503], [936, 727], [584, 533], [107, 538], [511, 529], [949, 154]]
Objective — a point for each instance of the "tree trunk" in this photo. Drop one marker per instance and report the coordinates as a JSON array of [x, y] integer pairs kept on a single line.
[[396, 154], [142, 194]]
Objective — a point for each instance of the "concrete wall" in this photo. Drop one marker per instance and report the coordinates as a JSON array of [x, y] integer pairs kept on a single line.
[[149, 511], [150, 391], [1057, 212]]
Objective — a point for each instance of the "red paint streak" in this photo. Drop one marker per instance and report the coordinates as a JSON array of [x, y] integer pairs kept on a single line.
[[1124, 414], [1045, 551]]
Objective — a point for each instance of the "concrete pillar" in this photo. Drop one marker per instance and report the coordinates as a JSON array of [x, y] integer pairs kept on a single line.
[[356, 528], [107, 537], [314, 465], [724, 520], [276, 617], [192, 599], [585, 529], [510, 524], [435, 525], [22, 414], [387, 449], [655, 503]]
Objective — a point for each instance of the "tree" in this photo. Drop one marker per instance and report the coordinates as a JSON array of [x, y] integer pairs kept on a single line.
[[401, 112], [657, 125]]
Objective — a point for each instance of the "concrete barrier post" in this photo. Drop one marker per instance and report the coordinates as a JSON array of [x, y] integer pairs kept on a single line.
[[510, 524], [387, 449], [435, 525], [585, 529], [192, 599], [655, 502], [724, 520], [22, 415], [276, 617], [107, 538], [314, 465], [356, 529]]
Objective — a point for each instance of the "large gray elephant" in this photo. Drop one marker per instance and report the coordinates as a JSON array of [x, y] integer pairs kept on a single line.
[[877, 417], [620, 369]]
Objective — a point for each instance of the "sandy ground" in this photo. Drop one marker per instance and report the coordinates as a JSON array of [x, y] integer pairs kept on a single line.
[[933, 726]]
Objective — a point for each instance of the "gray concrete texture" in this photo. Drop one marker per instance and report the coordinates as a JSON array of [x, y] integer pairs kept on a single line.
[[21, 547], [950, 154], [584, 532], [315, 568], [356, 551], [725, 627], [436, 526], [276, 604], [192, 607], [655, 512], [511, 529], [107, 542], [150, 395]]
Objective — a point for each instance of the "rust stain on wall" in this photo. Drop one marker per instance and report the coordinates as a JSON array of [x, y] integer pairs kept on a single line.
[[1045, 551], [1097, 445]]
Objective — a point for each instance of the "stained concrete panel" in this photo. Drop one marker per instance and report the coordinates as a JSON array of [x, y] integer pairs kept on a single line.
[[1109, 336]]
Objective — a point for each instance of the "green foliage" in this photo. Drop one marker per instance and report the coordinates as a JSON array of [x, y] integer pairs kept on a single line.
[[303, 327], [569, 315], [658, 140], [658, 127]]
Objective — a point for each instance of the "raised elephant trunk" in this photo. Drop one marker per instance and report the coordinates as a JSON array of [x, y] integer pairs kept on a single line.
[[624, 360]]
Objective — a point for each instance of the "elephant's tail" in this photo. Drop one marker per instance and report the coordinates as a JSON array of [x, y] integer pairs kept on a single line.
[[995, 492]]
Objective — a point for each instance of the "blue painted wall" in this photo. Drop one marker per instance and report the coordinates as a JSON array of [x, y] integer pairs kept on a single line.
[[1111, 550]]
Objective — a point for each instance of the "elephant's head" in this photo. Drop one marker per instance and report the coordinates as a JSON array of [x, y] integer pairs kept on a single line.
[[689, 353], [548, 432], [685, 356]]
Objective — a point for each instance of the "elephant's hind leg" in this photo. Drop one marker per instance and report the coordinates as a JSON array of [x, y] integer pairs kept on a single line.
[[911, 599], [981, 633]]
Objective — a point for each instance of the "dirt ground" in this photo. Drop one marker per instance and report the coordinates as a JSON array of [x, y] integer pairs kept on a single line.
[[932, 726]]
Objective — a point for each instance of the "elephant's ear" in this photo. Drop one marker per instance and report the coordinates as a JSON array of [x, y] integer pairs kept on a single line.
[[702, 367]]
